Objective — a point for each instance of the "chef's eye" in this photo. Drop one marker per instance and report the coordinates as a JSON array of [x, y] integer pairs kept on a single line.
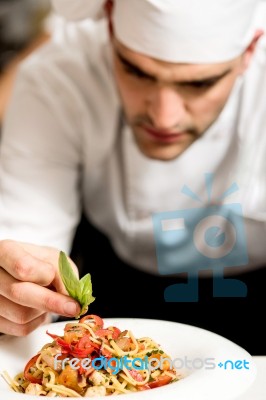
[[136, 73], [202, 84]]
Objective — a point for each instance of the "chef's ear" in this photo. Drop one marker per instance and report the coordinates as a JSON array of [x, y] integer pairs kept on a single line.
[[109, 5], [248, 54]]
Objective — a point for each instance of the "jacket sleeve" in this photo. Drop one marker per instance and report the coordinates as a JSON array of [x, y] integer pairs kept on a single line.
[[39, 165]]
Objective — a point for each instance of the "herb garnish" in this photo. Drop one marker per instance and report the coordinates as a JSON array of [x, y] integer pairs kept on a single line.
[[80, 290]]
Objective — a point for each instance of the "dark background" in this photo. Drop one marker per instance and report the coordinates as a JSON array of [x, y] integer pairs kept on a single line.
[[21, 21], [122, 291]]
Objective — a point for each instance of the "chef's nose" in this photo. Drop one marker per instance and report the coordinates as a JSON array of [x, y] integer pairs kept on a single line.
[[165, 108]]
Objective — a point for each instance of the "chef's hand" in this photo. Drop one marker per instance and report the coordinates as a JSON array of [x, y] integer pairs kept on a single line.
[[30, 287]]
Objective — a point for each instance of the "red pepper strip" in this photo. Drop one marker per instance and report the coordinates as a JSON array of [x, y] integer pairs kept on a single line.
[[63, 344], [52, 335], [84, 347], [72, 349], [27, 374], [80, 349]]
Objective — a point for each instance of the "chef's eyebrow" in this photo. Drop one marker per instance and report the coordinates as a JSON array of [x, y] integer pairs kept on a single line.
[[141, 73], [209, 80]]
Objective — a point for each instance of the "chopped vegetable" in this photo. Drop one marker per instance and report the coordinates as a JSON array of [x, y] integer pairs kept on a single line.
[[29, 369]]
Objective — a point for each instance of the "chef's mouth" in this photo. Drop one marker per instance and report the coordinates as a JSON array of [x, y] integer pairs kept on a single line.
[[164, 136]]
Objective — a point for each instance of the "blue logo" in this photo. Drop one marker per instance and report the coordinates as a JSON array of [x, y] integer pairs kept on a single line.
[[203, 238], [234, 365]]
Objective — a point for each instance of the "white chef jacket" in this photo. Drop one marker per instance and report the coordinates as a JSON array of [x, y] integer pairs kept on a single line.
[[65, 146]]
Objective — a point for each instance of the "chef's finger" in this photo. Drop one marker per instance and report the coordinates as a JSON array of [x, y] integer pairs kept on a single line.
[[16, 313], [23, 266], [11, 328], [34, 296]]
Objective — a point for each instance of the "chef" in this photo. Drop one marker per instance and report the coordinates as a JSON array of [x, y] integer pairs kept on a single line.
[[136, 111]]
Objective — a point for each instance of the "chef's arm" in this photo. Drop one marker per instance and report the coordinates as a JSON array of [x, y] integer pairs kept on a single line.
[[39, 203], [39, 165]]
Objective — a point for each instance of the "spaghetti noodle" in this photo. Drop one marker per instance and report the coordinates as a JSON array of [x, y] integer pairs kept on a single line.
[[90, 360]]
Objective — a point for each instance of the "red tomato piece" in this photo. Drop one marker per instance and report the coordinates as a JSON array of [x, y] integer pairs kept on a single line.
[[116, 332], [98, 322], [160, 381], [111, 330], [86, 345], [28, 374], [103, 332], [144, 387], [136, 375]]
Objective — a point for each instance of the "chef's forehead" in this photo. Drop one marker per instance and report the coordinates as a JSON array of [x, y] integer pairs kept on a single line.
[[183, 31]]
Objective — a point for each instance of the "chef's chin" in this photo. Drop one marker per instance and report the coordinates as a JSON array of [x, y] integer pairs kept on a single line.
[[163, 152]]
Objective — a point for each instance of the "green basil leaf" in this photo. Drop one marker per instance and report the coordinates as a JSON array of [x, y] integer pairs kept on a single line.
[[68, 277], [80, 290]]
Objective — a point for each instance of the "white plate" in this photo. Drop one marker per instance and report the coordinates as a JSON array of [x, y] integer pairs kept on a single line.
[[181, 342]]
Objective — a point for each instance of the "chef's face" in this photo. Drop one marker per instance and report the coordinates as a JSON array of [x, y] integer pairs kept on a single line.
[[169, 106]]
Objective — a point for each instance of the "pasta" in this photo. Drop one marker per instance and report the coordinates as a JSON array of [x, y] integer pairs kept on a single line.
[[90, 360]]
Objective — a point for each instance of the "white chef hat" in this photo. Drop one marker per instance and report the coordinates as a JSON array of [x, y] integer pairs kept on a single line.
[[185, 31]]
